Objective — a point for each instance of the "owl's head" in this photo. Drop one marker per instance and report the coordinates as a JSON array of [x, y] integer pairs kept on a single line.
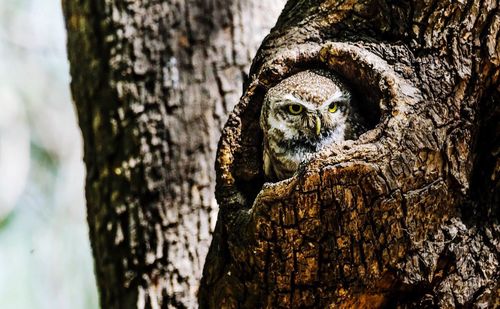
[[306, 110]]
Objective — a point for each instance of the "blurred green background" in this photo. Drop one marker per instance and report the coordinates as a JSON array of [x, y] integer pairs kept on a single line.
[[45, 257]]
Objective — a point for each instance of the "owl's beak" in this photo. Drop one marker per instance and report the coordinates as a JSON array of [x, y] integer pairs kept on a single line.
[[318, 125]]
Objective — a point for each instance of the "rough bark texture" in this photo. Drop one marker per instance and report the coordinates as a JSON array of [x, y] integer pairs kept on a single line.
[[405, 216], [153, 82]]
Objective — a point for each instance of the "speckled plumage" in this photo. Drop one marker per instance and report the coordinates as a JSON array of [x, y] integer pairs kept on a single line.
[[289, 139]]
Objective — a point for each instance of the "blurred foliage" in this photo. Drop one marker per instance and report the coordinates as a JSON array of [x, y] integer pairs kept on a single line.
[[45, 257]]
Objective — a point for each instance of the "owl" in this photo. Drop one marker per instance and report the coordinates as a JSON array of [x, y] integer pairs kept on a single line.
[[302, 114]]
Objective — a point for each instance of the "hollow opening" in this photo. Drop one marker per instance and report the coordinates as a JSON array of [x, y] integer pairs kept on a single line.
[[369, 94]]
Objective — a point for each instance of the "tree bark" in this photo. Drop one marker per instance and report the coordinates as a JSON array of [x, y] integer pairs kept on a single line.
[[405, 216], [153, 82]]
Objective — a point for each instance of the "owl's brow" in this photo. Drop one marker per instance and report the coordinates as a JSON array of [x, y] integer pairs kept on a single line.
[[290, 98], [338, 96]]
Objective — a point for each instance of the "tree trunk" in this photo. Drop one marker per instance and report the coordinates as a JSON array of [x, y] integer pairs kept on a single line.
[[153, 82], [405, 216]]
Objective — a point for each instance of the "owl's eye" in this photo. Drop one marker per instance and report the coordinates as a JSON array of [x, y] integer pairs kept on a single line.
[[295, 109], [332, 108]]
